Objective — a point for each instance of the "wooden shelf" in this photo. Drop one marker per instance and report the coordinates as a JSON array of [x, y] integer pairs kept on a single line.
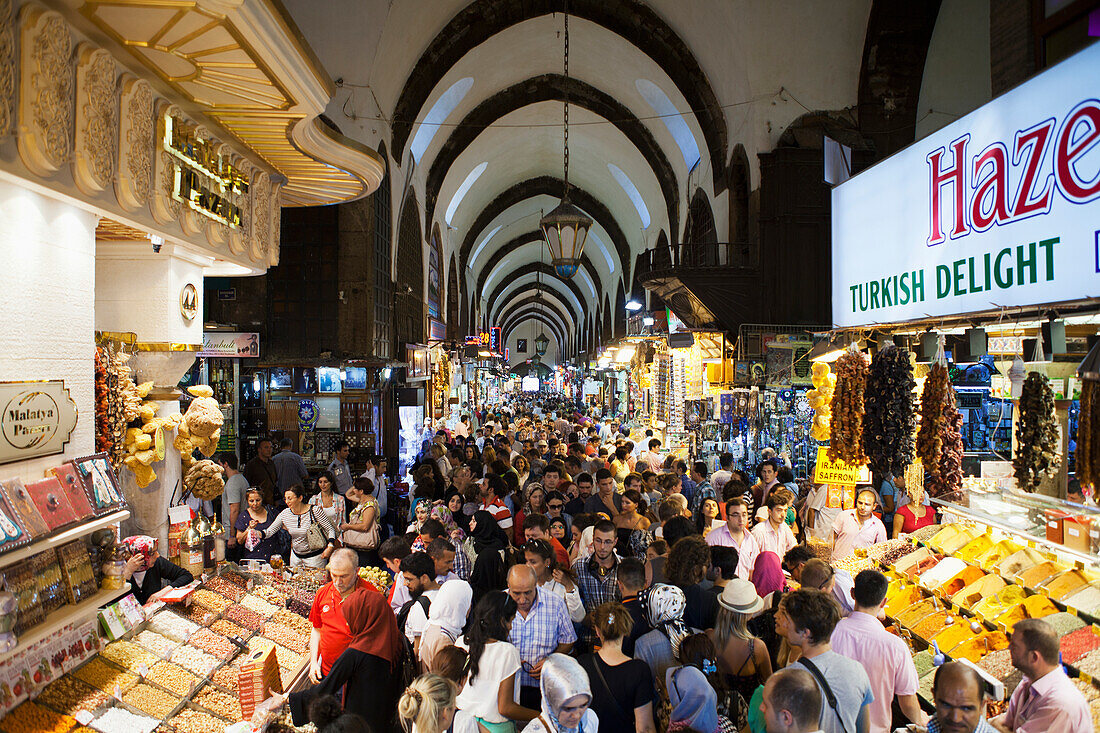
[[72, 533], [63, 617]]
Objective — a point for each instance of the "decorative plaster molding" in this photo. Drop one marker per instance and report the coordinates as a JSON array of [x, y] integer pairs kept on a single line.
[[135, 144], [7, 68], [46, 95], [96, 125]]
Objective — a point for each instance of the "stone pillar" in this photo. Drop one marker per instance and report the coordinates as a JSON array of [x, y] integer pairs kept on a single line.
[[143, 292], [47, 300]]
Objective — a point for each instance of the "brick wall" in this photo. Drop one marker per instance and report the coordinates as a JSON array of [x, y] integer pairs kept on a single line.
[[1011, 43]]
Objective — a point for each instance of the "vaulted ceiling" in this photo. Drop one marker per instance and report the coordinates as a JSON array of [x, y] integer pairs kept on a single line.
[[467, 98]]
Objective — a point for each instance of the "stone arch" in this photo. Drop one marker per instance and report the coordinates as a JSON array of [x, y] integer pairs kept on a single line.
[[740, 188], [515, 243], [894, 51], [453, 326], [699, 231], [607, 319], [633, 20], [382, 321], [620, 311], [529, 268], [552, 87], [531, 314], [563, 311], [409, 300], [434, 296]]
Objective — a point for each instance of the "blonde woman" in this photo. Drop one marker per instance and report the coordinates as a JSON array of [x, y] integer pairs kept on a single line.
[[743, 659], [427, 705]]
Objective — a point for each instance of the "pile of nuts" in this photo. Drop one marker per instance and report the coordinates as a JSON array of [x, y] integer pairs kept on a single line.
[[195, 660], [193, 721], [218, 703], [103, 676], [210, 600], [162, 646], [67, 695], [149, 699], [227, 677], [33, 717], [214, 644], [259, 605], [228, 628], [286, 636], [224, 588], [270, 595], [293, 620], [173, 678], [245, 617], [128, 655]]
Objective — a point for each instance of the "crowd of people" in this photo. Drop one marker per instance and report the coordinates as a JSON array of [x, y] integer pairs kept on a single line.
[[553, 578]]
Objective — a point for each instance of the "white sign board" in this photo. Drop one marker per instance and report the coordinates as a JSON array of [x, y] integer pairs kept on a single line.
[[36, 419], [1000, 208]]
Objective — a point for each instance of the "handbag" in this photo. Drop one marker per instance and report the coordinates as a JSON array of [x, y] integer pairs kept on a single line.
[[363, 540], [315, 536]]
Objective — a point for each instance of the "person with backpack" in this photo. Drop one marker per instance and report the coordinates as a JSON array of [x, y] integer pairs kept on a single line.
[[418, 569]]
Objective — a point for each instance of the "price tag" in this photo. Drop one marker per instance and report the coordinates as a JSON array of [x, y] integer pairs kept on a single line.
[[83, 717], [118, 692], [143, 670]]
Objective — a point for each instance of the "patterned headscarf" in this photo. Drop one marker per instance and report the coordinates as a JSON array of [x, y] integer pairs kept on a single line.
[[663, 606], [443, 514], [140, 544], [562, 679]]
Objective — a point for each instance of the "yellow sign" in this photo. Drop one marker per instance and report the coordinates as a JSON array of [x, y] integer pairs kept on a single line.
[[832, 472]]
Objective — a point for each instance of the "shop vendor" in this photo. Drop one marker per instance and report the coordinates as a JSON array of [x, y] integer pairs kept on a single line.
[[151, 575]]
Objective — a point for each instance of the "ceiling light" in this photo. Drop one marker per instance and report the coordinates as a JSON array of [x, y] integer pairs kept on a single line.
[[633, 305]]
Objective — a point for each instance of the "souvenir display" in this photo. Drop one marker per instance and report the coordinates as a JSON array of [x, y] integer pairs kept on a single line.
[[100, 482], [19, 499], [52, 503], [73, 488]]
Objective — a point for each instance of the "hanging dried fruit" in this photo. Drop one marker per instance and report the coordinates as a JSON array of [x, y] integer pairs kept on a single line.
[[888, 420], [1036, 434], [846, 424], [947, 478], [820, 398], [1088, 442], [933, 399]]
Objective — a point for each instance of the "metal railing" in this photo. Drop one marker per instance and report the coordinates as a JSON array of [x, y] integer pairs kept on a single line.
[[697, 255]]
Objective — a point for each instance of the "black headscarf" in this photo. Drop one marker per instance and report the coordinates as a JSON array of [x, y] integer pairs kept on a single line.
[[487, 534], [461, 518]]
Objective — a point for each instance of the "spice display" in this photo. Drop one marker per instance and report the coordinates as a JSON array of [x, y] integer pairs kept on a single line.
[[218, 703], [193, 721], [924, 533], [890, 551], [961, 580], [820, 399], [195, 660], [172, 626], [224, 588], [1090, 663], [68, 695], [929, 442], [888, 419], [160, 645], [930, 625], [149, 699], [259, 605], [105, 677], [947, 476], [173, 678], [1036, 575], [128, 655], [999, 664], [846, 423], [1077, 644], [120, 720], [1063, 623], [1088, 435], [1036, 434], [31, 716], [213, 644], [981, 588], [245, 617], [1087, 599], [944, 570]]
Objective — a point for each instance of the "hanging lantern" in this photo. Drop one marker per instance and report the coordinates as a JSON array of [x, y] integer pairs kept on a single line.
[[540, 344], [565, 229]]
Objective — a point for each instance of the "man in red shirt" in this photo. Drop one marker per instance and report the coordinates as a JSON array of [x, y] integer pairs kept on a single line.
[[537, 527], [330, 635], [492, 488]]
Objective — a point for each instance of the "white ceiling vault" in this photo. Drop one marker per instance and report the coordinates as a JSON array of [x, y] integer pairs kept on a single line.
[[743, 52]]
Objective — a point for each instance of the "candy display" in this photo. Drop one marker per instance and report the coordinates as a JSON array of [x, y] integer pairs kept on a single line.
[[172, 626], [218, 703], [195, 660], [259, 605], [228, 628], [194, 721], [224, 588], [286, 636], [31, 716], [210, 600], [288, 618], [245, 617], [1036, 434], [162, 646], [119, 720], [270, 595], [105, 677], [128, 655], [213, 644]]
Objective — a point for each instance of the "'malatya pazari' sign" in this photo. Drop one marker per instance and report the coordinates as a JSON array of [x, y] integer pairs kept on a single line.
[[1000, 208]]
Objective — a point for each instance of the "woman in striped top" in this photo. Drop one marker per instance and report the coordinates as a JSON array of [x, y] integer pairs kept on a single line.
[[297, 519]]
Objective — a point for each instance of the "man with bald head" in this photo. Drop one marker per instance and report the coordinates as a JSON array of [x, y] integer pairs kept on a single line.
[[791, 702], [541, 627], [330, 634], [959, 694]]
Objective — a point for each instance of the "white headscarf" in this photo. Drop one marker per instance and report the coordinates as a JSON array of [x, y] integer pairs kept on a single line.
[[450, 606], [562, 679]]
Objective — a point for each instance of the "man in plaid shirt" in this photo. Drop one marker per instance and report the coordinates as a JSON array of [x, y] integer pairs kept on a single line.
[[540, 628], [597, 576]]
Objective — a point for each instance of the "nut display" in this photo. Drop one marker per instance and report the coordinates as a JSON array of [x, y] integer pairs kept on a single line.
[[245, 617], [227, 677], [195, 660], [120, 720], [210, 600], [149, 699], [286, 636], [218, 703], [31, 716], [67, 695], [228, 628], [128, 655], [288, 659], [213, 644], [270, 595], [224, 588], [846, 423], [105, 677], [293, 620], [172, 626], [160, 645], [193, 721], [173, 678], [259, 605], [1036, 434], [888, 421], [197, 614]]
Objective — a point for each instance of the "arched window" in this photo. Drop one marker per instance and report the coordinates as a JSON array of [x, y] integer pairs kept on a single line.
[[435, 276], [437, 115], [698, 233], [453, 330], [383, 283], [409, 313]]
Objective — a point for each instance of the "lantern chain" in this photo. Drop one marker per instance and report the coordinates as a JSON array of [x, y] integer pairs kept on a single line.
[[566, 98]]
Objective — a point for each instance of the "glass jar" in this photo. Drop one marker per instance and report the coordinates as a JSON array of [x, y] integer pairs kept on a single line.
[[112, 575]]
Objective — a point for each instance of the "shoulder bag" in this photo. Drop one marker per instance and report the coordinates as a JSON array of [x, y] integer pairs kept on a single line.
[[315, 536], [809, 665], [363, 540]]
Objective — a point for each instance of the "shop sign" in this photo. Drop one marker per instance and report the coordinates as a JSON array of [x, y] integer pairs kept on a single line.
[[307, 415], [189, 301], [1000, 208], [37, 419], [203, 178], [229, 345], [834, 472], [494, 339]]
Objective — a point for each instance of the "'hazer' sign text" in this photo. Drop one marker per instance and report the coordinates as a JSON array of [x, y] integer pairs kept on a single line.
[[1000, 208]]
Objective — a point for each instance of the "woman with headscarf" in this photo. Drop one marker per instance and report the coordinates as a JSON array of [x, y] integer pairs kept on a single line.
[[455, 501], [694, 703], [663, 606], [148, 571], [490, 543], [767, 574], [446, 619], [566, 697], [422, 509], [743, 659], [365, 671]]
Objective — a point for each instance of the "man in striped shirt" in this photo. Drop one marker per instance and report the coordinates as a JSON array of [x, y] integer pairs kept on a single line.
[[492, 487]]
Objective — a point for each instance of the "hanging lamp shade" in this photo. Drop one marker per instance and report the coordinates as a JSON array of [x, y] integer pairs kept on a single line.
[[541, 343], [565, 229]]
